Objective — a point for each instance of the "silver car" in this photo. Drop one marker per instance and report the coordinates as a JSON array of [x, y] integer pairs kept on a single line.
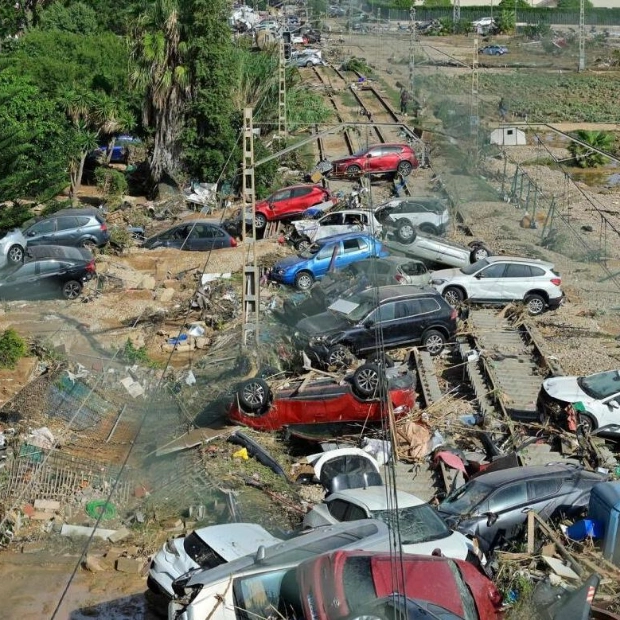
[[12, 247]]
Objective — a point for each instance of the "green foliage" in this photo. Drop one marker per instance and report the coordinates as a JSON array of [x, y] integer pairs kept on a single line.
[[356, 64], [77, 18], [110, 181], [136, 355], [510, 4], [14, 215], [536, 32], [574, 4], [584, 156], [407, 4], [120, 238], [305, 108], [506, 21], [461, 26], [12, 348], [437, 3]]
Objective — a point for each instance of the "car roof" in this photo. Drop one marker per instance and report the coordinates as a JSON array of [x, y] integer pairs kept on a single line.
[[77, 211], [519, 259], [298, 185], [40, 252], [503, 476], [342, 237], [399, 290], [377, 498]]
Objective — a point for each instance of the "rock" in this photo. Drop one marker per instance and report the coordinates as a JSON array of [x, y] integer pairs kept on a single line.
[[166, 294], [175, 284], [119, 535], [93, 564], [46, 504], [33, 547], [201, 342], [148, 283], [129, 565]]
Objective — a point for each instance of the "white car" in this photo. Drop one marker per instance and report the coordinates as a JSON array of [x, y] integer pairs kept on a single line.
[[483, 22], [206, 547], [502, 279], [254, 586], [361, 494], [404, 215], [599, 395], [338, 222]]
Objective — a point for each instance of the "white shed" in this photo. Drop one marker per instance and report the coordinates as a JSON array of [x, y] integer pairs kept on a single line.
[[508, 136]]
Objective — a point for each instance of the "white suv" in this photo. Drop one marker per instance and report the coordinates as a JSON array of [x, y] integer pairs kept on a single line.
[[405, 215], [500, 279]]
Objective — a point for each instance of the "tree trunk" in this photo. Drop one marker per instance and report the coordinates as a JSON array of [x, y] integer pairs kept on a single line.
[[111, 144], [166, 151]]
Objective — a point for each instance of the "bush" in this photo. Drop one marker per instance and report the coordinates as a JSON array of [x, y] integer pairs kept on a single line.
[[110, 181], [12, 348]]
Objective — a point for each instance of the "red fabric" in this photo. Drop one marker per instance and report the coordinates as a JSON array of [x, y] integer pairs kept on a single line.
[[451, 460]]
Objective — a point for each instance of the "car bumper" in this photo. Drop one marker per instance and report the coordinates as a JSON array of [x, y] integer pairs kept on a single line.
[[556, 302], [281, 278]]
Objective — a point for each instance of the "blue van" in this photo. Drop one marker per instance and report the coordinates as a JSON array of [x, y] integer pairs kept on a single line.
[[337, 251]]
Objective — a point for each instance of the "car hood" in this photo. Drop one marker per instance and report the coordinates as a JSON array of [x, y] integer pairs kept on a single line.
[[324, 323], [453, 546], [288, 262], [306, 226], [564, 388], [446, 274]]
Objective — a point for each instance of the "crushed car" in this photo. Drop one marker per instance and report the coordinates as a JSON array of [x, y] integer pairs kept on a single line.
[[196, 235], [271, 405], [403, 216]]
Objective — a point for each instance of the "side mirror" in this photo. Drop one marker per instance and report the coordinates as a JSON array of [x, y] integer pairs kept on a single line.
[[368, 324], [479, 276], [491, 518], [31, 233], [613, 404], [368, 155]]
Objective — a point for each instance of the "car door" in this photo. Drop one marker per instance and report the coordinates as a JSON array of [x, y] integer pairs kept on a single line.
[[517, 280], [372, 159], [302, 198], [390, 319], [281, 203], [487, 284], [330, 224], [390, 158], [507, 504], [48, 276], [322, 260], [20, 283], [413, 272], [352, 250], [41, 233], [66, 230], [544, 496]]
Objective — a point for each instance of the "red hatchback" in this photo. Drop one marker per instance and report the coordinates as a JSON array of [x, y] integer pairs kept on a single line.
[[345, 584], [289, 202], [323, 400], [377, 159]]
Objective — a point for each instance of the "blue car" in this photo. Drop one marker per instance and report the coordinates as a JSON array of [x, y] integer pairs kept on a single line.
[[120, 150], [302, 270]]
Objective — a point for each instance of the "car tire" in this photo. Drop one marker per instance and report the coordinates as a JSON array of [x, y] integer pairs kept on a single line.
[[453, 295], [478, 252], [429, 229], [587, 423], [301, 245], [338, 356], [404, 168], [367, 380], [88, 244], [535, 304], [15, 255], [260, 221], [405, 231], [253, 395], [354, 171], [304, 280], [71, 289], [309, 64], [433, 341], [383, 360]]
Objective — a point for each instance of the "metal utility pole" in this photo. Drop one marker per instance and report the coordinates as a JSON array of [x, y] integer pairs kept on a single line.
[[456, 13], [474, 118], [412, 46], [251, 286], [582, 35], [282, 129]]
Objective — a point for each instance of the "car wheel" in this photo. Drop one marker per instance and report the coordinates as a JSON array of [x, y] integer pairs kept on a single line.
[[253, 394], [382, 360], [404, 168], [433, 341], [454, 296], [587, 423], [302, 245], [309, 64], [429, 229], [71, 289], [367, 380], [354, 171], [405, 231], [338, 355], [260, 221], [478, 252], [535, 304], [15, 254], [88, 244], [304, 280]]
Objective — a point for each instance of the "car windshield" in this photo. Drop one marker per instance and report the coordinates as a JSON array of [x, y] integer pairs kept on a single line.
[[475, 267], [601, 385], [200, 552], [416, 524], [465, 499], [354, 308]]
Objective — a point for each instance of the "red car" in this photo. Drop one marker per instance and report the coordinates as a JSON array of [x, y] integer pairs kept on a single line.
[[289, 202], [377, 159], [323, 400], [347, 584]]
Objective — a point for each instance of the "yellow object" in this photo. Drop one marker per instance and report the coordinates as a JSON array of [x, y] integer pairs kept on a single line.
[[241, 454]]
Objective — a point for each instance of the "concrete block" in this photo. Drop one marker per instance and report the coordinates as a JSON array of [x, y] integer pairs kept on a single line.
[[93, 564], [82, 530], [129, 565], [175, 284], [148, 283], [166, 294], [113, 553], [201, 342], [119, 535], [41, 515], [33, 547], [46, 504]]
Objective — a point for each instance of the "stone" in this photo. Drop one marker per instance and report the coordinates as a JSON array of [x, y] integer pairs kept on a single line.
[[175, 284], [33, 547], [93, 564], [148, 283], [201, 342], [41, 515], [129, 565], [119, 535], [46, 504], [166, 294]]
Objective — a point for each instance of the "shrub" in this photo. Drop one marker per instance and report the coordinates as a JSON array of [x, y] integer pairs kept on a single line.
[[12, 348], [110, 181]]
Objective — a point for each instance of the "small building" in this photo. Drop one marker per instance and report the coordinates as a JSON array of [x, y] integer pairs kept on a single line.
[[508, 136]]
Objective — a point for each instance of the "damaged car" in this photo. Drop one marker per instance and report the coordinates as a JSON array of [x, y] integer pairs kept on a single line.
[[402, 216], [493, 507], [377, 159], [272, 405], [352, 479], [385, 318], [347, 585]]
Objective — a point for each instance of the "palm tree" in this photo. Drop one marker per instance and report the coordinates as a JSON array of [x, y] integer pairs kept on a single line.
[[159, 73], [583, 155]]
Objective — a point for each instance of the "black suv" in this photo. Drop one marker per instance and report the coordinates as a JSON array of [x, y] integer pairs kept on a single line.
[[386, 317], [72, 227]]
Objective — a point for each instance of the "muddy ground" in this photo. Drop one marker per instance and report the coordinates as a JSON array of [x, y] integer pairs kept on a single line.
[[583, 335]]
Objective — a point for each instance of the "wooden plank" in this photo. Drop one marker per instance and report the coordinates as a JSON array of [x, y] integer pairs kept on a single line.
[[560, 547], [530, 532]]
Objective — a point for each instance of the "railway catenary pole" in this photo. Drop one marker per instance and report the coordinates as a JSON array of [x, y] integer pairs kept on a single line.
[[456, 14], [582, 36], [474, 117], [412, 42], [282, 129]]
